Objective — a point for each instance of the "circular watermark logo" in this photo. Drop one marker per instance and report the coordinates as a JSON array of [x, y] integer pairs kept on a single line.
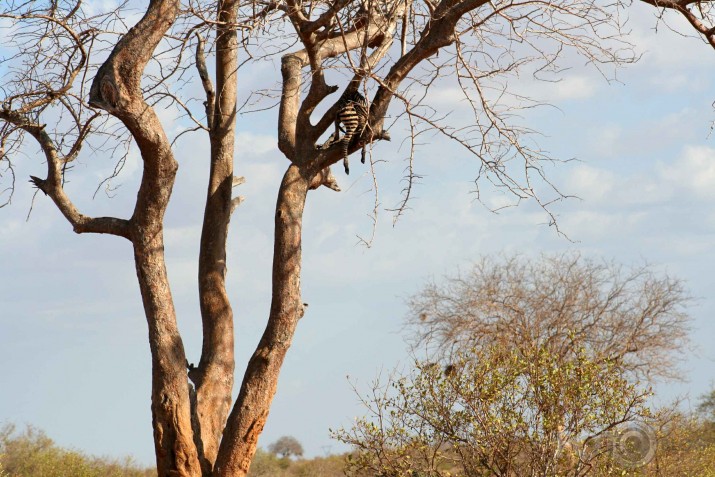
[[633, 444], [629, 445]]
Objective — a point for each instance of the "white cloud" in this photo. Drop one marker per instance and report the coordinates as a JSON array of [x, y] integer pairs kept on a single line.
[[446, 96], [260, 176], [592, 184], [9, 229], [666, 81], [169, 118], [693, 171], [607, 139], [250, 143], [573, 87], [595, 224], [183, 236], [641, 198], [497, 202]]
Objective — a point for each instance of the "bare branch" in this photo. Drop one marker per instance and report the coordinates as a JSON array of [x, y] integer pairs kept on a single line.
[[209, 104], [632, 319], [52, 185]]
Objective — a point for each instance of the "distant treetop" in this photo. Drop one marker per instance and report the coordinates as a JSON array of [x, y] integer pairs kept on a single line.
[[286, 446]]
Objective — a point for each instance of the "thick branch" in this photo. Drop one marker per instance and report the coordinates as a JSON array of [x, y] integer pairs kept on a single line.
[[682, 7], [291, 65], [52, 185], [118, 80], [342, 43], [297, 14], [250, 412], [377, 33], [313, 54], [327, 120], [437, 34], [326, 18]]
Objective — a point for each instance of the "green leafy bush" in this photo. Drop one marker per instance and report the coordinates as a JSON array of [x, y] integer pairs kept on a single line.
[[494, 411]]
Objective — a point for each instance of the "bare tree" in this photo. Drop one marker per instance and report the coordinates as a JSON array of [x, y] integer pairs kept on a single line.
[[632, 317], [78, 78]]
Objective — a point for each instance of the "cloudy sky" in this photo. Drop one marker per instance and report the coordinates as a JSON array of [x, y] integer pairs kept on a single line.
[[73, 334]]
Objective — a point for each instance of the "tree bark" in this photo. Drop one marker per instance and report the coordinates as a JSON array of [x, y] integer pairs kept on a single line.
[[250, 412], [117, 89], [171, 418], [214, 376], [171, 414], [176, 454]]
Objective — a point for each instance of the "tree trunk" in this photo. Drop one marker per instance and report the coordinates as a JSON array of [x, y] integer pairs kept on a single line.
[[117, 89], [214, 376], [171, 418], [261, 378]]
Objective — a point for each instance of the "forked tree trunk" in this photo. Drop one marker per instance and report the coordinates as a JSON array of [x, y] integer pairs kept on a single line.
[[187, 437], [187, 427]]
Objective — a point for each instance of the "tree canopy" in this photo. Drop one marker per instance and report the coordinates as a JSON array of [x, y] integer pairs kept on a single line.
[[568, 303], [286, 446]]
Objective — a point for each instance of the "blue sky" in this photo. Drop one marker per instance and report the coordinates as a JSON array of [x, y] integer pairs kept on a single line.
[[72, 330]]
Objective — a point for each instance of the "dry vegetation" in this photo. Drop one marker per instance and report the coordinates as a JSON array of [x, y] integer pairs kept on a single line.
[[537, 367], [266, 464], [686, 447], [30, 453]]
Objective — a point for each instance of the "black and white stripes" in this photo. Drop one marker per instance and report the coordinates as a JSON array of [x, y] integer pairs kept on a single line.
[[353, 113]]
